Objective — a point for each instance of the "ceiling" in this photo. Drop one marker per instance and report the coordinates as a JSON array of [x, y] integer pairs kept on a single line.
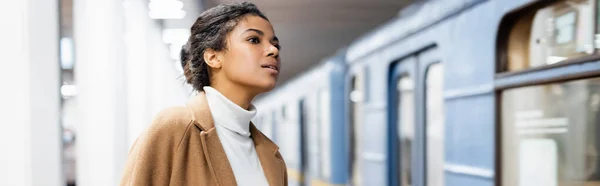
[[308, 30], [311, 30]]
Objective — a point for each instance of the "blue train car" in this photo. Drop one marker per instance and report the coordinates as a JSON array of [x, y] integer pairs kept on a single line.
[[425, 118], [461, 93], [305, 117]]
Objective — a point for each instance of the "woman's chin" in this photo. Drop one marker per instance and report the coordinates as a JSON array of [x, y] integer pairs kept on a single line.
[[266, 87]]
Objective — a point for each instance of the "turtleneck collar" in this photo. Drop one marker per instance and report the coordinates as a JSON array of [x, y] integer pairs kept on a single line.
[[228, 114]]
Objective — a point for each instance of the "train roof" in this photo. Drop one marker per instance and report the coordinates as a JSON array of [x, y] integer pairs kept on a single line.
[[423, 16]]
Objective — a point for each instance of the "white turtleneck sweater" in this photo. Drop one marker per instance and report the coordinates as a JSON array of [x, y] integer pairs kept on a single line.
[[232, 123]]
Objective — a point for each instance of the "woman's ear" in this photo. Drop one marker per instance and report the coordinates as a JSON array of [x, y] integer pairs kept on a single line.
[[212, 58]]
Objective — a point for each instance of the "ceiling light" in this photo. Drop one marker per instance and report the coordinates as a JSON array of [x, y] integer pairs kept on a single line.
[[166, 9]]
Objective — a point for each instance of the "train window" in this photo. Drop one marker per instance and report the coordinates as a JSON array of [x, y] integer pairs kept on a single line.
[[325, 125], [560, 31], [406, 122], [283, 112], [550, 134], [434, 123], [356, 118], [274, 129]]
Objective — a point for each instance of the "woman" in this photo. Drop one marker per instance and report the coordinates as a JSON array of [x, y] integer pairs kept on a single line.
[[232, 56]]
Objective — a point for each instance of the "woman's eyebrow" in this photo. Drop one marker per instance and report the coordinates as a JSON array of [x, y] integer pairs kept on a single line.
[[261, 33]]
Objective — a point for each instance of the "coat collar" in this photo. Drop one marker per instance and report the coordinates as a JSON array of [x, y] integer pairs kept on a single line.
[[272, 164]]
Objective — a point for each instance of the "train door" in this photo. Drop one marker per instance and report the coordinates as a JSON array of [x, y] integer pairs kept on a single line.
[[312, 139], [416, 130], [304, 169]]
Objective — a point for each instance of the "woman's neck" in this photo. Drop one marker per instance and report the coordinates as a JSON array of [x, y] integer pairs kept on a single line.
[[236, 94]]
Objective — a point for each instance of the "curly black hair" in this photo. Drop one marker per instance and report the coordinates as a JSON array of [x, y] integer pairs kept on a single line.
[[209, 32]]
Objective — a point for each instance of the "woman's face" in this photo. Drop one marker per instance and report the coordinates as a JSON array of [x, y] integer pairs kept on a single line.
[[251, 58]]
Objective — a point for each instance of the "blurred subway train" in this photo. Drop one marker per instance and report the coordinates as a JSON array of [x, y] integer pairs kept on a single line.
[[456, 93]]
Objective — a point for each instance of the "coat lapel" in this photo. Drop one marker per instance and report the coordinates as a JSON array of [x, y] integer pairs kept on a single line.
[[211, 145], [271, 162]]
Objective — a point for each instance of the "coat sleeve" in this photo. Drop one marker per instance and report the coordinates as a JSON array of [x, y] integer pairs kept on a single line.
[[150, 159]]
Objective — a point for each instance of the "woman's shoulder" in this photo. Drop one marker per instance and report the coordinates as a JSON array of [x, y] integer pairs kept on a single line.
[[169, 123], [152, 152]]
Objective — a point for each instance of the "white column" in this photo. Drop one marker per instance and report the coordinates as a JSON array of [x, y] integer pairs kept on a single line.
[[154, 82], [138, 65], [101, 80], [29, 98]]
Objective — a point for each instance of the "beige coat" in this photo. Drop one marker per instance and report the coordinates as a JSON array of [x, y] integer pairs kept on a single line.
[[181, 147]]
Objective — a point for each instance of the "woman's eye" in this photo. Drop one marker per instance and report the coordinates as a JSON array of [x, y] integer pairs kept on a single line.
[[254, 40]]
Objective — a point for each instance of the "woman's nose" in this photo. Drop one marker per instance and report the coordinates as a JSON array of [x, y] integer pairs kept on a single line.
[[273, 51]]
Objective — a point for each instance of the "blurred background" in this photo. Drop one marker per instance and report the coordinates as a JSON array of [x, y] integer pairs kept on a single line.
[[372, 92]]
